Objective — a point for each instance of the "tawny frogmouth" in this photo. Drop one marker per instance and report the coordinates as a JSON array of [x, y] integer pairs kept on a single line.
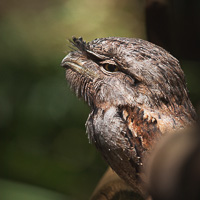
[[136, 91]]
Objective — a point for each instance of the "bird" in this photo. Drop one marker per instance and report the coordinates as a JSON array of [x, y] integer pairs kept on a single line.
[[137, 93]]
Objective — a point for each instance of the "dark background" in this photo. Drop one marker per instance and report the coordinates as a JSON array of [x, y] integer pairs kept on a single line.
[[44, 151]]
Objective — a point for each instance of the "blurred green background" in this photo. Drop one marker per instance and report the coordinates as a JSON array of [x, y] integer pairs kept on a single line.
[[44, 151]]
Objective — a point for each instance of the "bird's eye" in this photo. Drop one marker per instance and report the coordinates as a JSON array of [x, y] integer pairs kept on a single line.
[[110, 68]]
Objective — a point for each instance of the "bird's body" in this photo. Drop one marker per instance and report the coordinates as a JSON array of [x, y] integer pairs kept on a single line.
[[137, 93]]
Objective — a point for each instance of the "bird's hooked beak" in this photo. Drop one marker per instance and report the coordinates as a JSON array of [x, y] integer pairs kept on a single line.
[[77, 63], [67, 62]]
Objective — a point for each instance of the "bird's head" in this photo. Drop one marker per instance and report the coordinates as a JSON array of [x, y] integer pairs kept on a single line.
[[125, 72]]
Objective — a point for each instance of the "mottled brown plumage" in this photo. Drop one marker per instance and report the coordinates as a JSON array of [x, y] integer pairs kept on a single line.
[[137, 93]]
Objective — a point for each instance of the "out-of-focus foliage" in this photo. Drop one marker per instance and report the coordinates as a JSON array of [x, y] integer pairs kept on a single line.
[[42, 135], [14, 190], [192, 72]]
